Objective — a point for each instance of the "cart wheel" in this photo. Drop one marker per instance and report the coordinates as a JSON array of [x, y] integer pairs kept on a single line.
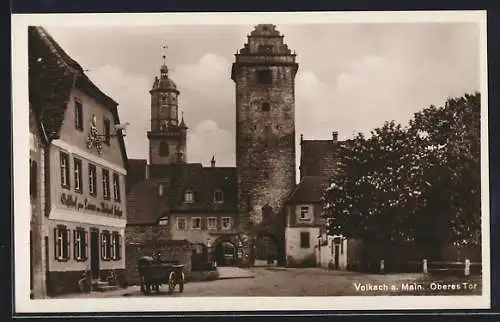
[[181, 283], [171, 283]]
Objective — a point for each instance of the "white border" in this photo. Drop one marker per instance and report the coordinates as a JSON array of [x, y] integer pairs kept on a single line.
[[20, 161]]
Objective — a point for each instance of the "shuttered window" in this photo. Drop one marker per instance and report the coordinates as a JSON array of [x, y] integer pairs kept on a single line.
[[116, 246], [61, 243], [80, 248], [105, 245]]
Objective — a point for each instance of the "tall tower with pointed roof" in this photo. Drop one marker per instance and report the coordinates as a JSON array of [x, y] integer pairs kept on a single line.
[[264, 74], [167, 137]]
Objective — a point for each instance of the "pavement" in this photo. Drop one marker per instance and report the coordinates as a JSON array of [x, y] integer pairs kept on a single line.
[[228, 272], [278, 281]]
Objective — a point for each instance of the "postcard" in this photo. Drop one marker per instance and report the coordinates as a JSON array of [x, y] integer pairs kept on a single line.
[[250, 161]]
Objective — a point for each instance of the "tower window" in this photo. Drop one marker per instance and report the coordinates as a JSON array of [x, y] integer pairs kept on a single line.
[[164, 151], [266, 107], [265, 76]]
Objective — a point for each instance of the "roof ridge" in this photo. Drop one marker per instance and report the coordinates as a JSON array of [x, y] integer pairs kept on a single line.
[[57, 50]]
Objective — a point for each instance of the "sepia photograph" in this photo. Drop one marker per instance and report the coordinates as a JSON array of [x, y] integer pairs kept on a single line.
[[210, 162]]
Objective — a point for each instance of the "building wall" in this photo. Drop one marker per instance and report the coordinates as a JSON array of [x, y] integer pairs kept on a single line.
[[293, 215], [199, 235], [72, 264], [265, 140], [37, 201], [326, 256], [73, 208], [78, 138], [295, 254], [84, 205], [176, 141], [170, 250], [143, 240]]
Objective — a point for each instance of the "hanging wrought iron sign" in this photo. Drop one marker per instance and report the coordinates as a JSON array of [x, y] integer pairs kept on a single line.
[[94, 139]]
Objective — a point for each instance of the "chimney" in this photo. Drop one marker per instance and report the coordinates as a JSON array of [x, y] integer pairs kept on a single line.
[[212, 162], [335, 136]]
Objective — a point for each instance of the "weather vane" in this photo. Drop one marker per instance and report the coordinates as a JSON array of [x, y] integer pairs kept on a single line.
[[164, 47]]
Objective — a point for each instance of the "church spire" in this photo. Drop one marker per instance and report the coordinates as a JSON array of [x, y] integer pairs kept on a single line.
[[164, 68], [182, 124]]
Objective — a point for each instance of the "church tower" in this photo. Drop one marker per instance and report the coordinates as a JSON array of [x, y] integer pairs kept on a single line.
[[264, 74], [167, 137]]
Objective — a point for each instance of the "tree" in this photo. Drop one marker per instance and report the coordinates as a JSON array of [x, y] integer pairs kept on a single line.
[[449, 139], [420, 183]]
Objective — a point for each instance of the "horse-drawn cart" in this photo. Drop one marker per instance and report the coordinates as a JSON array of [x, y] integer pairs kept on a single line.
[[154, 273]]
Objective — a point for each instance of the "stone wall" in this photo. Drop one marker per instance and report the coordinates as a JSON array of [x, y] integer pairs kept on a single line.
[[170, 250], [265, 140]]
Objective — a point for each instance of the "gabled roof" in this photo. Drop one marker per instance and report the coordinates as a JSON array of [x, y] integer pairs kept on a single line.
[[309, 190], [203, 181], [318, 158], [144, 205], [52, 76]]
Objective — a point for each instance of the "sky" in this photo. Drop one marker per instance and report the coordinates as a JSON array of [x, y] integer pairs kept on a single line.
[[351, 78]]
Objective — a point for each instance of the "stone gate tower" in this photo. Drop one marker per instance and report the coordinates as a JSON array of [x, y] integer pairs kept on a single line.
[[264, 74], [167, 138]]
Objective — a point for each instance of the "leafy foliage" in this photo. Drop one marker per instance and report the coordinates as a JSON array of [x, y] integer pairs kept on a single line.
[[420, 183]]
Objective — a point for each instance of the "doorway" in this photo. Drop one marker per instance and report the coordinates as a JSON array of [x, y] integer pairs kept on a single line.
[[94, 253], [225, 254]]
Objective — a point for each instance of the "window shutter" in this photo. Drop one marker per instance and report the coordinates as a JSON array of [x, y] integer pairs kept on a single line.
[[119, 246], [56, 243], [102, 246], [67, 247], [75, 244], [85, 249]]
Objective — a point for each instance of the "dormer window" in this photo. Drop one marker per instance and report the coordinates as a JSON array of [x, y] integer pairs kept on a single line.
[[218, 196], [188, 196]]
